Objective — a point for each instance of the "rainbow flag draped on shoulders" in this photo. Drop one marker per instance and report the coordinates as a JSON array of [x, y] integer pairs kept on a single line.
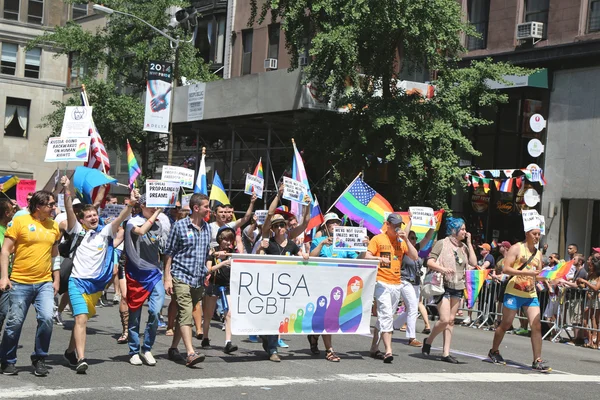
[[474, 280], [98, 284]]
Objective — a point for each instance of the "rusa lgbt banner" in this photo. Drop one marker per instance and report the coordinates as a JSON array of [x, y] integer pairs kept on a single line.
[[273, 295]]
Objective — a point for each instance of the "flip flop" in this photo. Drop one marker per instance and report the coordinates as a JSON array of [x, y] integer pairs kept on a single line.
[[378, 355]]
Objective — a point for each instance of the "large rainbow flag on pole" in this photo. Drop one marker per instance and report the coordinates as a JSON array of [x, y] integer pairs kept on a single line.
[[132, 165], [558, 272], [474, 280]]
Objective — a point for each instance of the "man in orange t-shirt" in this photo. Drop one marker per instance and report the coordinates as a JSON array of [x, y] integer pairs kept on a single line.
[[389, 248]]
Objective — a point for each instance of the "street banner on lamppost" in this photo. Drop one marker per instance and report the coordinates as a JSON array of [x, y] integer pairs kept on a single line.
[[158, 97]]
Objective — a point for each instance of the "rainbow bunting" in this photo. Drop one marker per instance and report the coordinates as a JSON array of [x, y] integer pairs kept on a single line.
[[474, 279], [258, 171], [558, 272], [132, 164]]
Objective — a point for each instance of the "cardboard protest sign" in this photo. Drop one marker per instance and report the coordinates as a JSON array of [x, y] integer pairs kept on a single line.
[[349, 238], [24, 187], [423, 217], [294, 190], [77, 122], [183, 176], [61, 201], [531, 220], [254, 184], [112, 211], [161, 194], [67, 149], [261, 215]]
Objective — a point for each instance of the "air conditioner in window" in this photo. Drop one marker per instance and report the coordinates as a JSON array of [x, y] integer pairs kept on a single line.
[[530, 30], [302, 60], [271, 63]]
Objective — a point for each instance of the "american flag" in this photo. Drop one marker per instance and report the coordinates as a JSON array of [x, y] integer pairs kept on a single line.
[[98, 155]]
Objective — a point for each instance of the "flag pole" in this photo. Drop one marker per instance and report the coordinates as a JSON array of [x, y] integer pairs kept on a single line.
[[338, 199]]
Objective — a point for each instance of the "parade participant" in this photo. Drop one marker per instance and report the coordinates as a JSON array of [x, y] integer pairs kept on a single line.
[[7, 210], [523, 263], [389, 248], [219, 268], [186, 253], [451, 257], [92, 268], [144, 239], [33, 238], [322, 247], [592, 309], [279, 245], [224, 216]]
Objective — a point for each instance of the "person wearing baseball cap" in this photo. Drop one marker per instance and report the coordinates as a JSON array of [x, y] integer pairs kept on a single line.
[[487, 260]]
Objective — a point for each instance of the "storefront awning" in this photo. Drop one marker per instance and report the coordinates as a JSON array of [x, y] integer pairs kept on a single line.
[[538, 79]]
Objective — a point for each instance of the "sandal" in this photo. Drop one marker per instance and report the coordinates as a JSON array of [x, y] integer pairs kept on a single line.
[[388, 358], [124, 338], [313, 340], [426, 331], [378, 355], [331, 356]]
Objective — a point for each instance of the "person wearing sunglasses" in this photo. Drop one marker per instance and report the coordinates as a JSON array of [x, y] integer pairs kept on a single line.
[[451, 257], [33, 238]]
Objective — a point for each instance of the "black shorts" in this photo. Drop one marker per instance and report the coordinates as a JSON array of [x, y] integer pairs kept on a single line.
[[121, 269], [214, 290]]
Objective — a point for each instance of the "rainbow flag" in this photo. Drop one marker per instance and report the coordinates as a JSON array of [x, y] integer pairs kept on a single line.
[[299, 174], [558, 272], [217, 191], [132, 164], [421, 231], [474, 280], [8, 181], [258, 171], [362, 204], [201, 186], [494, 244]]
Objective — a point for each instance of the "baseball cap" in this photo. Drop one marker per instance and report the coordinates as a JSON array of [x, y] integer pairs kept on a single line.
[[486, 246], [596, 249], [225, 228], [394, 219], [331, 217], [76, 202], [506, 244]]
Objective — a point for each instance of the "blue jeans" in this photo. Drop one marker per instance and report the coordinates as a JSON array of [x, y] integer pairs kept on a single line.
[[22, 295], [3, 307], [270, 343], [155, 304]]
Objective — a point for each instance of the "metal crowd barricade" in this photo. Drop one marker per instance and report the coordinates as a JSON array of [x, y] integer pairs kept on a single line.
[[577, 311]]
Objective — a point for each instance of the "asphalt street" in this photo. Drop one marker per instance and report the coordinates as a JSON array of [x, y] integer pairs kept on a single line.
[[248, 374]]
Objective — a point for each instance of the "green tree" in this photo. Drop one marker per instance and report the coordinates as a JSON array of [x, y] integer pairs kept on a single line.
[[358, 50], [114, 59]]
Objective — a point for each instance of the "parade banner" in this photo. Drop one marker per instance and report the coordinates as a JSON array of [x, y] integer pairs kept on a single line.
[[183, 176], [77, 122], [24, 187], [349, 238], [158, 97], [423, 217], [294, 190], [254, 184], [161, 194], [112, 211], [273, 295], [67, 149]]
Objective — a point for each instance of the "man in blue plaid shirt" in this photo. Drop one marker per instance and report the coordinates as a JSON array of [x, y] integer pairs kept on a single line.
[[186, 253]]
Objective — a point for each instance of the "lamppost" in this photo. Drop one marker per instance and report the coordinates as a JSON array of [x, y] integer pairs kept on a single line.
[[181, 16]]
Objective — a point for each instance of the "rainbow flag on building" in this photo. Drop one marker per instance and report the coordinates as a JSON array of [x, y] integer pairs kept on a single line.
[[474, 280], [132, 165]]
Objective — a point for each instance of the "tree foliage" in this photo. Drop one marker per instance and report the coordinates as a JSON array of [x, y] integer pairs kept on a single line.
[[358, 50], [114, 59]]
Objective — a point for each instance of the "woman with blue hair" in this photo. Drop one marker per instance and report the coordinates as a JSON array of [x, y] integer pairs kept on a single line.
[[451, 257]]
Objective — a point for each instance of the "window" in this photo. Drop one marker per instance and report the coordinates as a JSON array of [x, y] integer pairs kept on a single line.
[[11, 9], [8, 65], [16, 116], [594, 16], [537, 10], [479, 14], [32, 63], [35, 12], [80, 10], [247, 37], [220, 40], [210, 38], [274, 31], [76, 70]]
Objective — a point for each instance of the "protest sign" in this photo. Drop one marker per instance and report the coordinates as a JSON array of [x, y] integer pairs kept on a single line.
[[67, 149], [273, 295], [261, 215], [254, 184], [349, 238], [161, 194], [112, 211], [294, 190], [24, 187], [531, 220], [423, 217], [183, 176], [185, 201], [77, 122], [61, 201]]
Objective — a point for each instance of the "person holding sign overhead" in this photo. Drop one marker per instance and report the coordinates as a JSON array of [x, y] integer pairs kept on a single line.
[[389, 248]]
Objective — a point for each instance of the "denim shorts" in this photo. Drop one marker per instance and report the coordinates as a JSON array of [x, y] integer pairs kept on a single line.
[[515, 303], [453, 293]]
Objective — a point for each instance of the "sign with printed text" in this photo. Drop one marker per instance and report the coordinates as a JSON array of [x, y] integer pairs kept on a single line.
[[185, 201], [195, 105], [322, 296], [61, 201], [531, 220], [254, 184], [161, 194], [350, 238], [294, 190], [112, 211], [77, 122], [183, 176], [158, 97], [261, 215], [423, 217], [24, 187], [67, 149]]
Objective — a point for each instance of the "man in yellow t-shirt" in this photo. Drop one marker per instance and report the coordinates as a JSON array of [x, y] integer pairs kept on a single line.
[[389, 248], [33, 238]]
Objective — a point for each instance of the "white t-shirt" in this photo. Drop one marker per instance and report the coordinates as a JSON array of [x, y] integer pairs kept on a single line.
[[91, 253], [214, 229]]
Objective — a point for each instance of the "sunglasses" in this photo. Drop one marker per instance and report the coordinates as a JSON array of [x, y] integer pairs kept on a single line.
[[278, 226], [52, 204]]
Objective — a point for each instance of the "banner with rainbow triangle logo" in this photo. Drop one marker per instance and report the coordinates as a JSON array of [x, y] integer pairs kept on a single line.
[[273, 295]]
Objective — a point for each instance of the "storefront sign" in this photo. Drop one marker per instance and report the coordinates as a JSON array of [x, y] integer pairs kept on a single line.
[[531, 197], [195, 106], [505, 207], [535, 148], [537, 123], [480, 200]]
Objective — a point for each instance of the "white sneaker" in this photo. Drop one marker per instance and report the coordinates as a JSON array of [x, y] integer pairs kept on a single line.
[[148, 358], [466, 321], [135, 360], [58, 319]]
